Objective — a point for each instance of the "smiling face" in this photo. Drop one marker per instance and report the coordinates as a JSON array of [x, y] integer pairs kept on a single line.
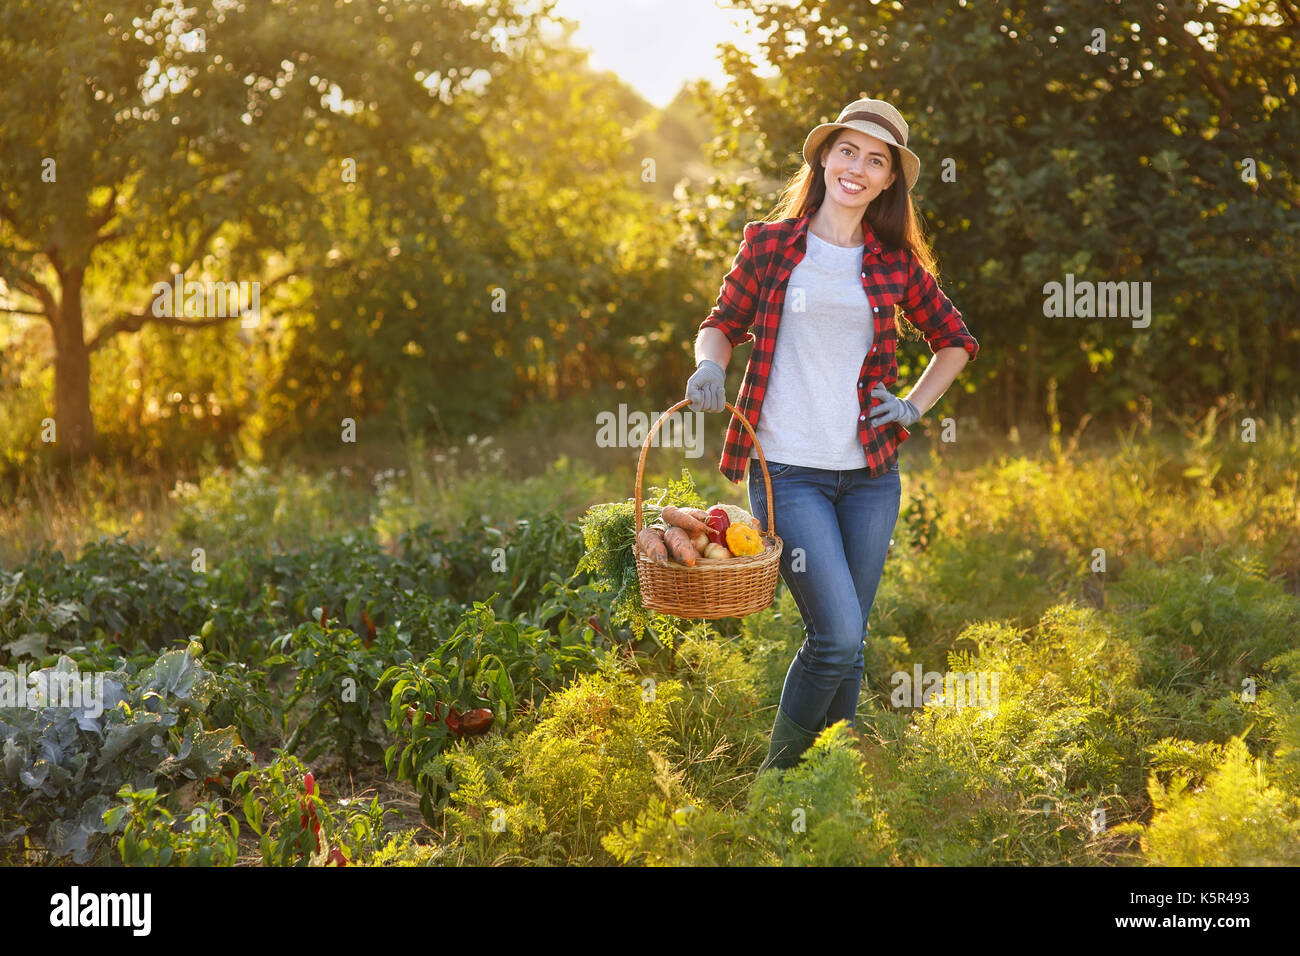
[[856, 160]]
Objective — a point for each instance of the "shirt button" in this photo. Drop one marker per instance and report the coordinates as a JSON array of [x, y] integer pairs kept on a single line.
[[859, 384], [864, 275], [876, 309], [862, 417]]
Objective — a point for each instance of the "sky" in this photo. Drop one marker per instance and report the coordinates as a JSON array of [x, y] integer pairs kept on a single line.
[[657, 45]]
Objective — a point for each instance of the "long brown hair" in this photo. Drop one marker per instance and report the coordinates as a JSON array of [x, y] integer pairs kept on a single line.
[[890, 214]]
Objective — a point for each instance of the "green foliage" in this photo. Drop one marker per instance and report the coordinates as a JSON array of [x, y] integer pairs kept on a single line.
[[253, 505], [62, 766], [401, 849], [337, 671], [717, 729], [296, 828], [1239, 818], [1209, 620], [506, 666], [1279, 705], [586, 767], [114, 588], [1015, 779], [416, 721], [820, 813], [208, 836]]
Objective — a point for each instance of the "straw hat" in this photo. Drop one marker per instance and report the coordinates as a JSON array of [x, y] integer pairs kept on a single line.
[[875, 118]]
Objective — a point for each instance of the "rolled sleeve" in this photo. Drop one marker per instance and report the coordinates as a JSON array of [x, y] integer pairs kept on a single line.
[[737, 303], [930, 310]]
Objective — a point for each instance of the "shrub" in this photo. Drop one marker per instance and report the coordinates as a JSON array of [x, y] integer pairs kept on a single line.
[[1208, 620], [586, 767], [61, 766], [1237, 819]]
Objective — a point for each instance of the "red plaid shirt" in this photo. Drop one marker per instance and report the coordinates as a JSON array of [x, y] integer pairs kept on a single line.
[[753, 291]]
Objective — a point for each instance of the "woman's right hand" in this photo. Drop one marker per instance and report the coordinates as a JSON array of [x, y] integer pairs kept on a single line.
[[707, 388]]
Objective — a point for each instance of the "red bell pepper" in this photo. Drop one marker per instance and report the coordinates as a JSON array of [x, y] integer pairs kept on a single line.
[[717, 524]]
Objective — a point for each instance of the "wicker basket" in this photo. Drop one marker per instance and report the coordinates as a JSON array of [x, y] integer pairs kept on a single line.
[[729, 587]]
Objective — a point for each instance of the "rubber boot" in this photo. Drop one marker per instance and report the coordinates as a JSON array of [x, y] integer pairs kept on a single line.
[[789, 741]]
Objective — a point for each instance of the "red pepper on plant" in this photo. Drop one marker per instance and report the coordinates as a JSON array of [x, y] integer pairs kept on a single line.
[[309, 808], [475, 722]]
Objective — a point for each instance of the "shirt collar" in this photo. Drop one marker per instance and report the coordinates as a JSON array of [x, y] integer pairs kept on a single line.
[[801, 227]]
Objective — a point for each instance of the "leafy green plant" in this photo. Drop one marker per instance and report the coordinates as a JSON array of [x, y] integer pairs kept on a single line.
[[296, 825], [1208, 621], [1239, 818], [599, 747], [608, 531], [337, 671], [115, 588], [822, 812], [208, 836], [61, 766]]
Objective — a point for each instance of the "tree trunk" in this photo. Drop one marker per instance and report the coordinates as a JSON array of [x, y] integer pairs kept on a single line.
[[75, 429]]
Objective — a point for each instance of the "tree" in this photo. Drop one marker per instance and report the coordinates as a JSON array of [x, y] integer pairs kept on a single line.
[[139, 141]]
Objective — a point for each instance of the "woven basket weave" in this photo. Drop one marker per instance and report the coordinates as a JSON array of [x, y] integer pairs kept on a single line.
[[714, 588]]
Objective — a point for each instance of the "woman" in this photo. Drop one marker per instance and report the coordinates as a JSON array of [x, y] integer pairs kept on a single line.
[[842, 247]]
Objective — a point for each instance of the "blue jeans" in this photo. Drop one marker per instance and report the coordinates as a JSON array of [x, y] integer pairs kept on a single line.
[[835, 527]]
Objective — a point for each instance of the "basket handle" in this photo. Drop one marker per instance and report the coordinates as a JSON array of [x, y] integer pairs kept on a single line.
[[640, 465]]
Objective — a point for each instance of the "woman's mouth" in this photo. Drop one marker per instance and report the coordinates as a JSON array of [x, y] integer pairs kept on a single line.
[[851, 188]]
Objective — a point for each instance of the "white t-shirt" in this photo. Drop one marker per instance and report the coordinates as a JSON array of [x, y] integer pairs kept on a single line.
[[810, 410]]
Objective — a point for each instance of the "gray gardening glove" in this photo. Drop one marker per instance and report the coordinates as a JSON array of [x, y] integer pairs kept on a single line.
[[707, 388], [893, 409]]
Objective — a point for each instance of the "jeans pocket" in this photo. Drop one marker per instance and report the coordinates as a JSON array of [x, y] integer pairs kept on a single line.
[[775, 469], [893, 469]]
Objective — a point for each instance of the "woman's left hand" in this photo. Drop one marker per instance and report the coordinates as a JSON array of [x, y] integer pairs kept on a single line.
[[893, 409]]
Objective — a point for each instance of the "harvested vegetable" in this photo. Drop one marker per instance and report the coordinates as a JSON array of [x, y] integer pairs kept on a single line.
[[739, 516], [718, 522], [700, 541], [744, 540], [680, 519], [716, 552], [680, 547], [609, 532], [651, 542]]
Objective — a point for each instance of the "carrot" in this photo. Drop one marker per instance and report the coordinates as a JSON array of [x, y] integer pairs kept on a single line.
[[680, 519], [651, 542], [680, 547], [698, 513]]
